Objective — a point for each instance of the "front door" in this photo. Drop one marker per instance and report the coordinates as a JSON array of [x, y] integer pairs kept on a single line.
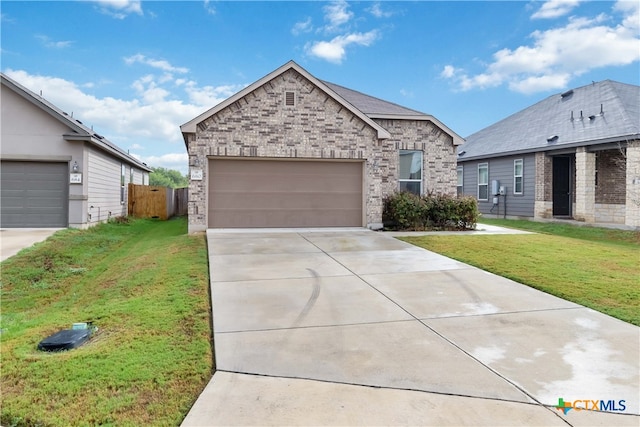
[[562, 186]]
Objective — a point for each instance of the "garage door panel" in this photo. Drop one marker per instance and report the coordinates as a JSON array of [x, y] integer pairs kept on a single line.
[[268, 193], [263, 218], [289, 183], [299, 200], [34, 194]]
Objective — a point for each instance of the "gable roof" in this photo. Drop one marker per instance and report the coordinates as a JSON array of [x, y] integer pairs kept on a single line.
[[190, 126], [363, 106], [598, 113], [377, 108], [79, 132]]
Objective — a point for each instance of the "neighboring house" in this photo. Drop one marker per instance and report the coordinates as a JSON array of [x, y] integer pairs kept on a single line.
[[291, 150], [574, 155], [55, 171]]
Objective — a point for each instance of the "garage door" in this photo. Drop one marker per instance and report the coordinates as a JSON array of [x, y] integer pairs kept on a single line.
[[33, 194], [270, 193]]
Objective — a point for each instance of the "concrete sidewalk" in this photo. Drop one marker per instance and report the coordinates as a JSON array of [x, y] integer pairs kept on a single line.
[[354, 327], [13, 240]]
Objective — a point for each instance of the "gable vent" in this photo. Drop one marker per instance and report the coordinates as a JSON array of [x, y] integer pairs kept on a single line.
[[290, 99]]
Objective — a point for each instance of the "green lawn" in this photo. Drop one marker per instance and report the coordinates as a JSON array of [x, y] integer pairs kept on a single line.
[[144, 284], [597, 268]]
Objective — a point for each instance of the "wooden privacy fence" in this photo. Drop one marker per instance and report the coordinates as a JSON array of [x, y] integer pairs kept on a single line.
[[151, 201]]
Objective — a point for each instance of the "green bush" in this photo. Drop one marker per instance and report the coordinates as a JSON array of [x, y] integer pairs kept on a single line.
[[407, 211]]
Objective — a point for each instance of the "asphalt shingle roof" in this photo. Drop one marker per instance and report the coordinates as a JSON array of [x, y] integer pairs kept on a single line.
[[602, 112], [370, 105]]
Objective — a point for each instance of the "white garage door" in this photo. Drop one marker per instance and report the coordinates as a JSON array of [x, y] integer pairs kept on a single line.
[[277, 193], [34, 194]]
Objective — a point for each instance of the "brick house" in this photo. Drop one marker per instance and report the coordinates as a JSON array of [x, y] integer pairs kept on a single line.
[[291, 150], [574, 155]]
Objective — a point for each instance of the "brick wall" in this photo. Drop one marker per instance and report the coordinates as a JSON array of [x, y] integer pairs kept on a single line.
[[317, 127], [611, 166], [543, 207]]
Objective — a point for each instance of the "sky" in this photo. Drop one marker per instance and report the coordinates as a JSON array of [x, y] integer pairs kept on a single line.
[[137, 70]]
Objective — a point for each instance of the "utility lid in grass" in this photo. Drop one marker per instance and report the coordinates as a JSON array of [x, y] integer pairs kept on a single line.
[[66, 339]]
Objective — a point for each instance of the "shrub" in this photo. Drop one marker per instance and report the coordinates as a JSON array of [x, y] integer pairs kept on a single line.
[[407, 211]]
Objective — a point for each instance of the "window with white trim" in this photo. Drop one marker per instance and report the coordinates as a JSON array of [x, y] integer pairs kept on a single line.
[[411, 171], [518, 176], [460, 171], [483, 181], [123, 170]]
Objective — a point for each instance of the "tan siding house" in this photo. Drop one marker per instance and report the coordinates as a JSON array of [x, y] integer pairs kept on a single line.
[[56, 172]]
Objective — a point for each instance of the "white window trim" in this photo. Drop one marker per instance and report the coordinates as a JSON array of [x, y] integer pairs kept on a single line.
[[521, 176], [421, 168], [123, 183], [461, 184], [486, 184]]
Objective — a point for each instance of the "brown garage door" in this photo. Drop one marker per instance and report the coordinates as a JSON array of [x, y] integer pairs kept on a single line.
[[276, 193]]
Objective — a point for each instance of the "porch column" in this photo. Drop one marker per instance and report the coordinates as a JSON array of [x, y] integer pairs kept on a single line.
[[632, 208], [585, 186], [543, 207]]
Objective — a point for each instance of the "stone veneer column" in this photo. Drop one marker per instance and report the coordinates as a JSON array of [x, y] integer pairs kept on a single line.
[[632, 214], [543, 206], [585, 186]]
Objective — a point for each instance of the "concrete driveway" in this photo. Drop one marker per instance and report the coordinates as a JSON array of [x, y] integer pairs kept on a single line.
[[354, 327], [13, 240]]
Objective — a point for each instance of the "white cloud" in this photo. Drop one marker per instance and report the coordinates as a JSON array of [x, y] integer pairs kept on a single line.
[[210, 96], [555, 9], [119, 9], [559, 54], [337, 14], [406, 93], [376, 10], [631, 12], [178, 161], [337, 17], [122, 121], [136, 147], [335, 50], [47, 42], [160, 64], [209, 8], [302, 27], [448, 71], [535, 84]]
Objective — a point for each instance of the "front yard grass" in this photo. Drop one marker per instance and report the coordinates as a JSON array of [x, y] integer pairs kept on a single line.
[[597, 268], [144, 284]]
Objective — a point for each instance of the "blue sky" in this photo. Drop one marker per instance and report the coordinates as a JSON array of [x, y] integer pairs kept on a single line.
[[137, 70]]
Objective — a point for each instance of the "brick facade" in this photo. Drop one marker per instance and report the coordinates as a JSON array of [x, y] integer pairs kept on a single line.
[[260, 125], [544, 186], [632, 205], [585, 198], [611, 167]]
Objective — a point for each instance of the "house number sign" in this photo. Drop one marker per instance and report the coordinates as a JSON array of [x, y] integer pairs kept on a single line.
[[75, 178], [196, 174]]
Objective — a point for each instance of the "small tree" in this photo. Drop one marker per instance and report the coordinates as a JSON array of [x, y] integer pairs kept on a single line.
[[168, 178]]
